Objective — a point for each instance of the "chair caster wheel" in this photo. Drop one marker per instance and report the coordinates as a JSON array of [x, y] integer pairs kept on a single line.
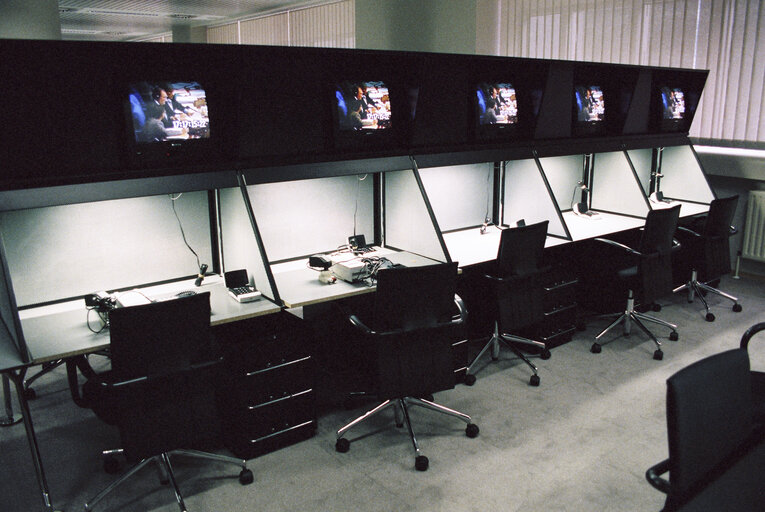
[[471, 430], [111, 465], [673, 336], [546, 354], [469, 379], [534, 380], [656, 307], [737, 308], [595, 348], [710, 317], [421, 463], [245, 477], [30, 393], [658, 355], [342, 445]]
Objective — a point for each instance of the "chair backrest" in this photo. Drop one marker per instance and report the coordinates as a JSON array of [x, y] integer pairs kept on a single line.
[[170, 344], [418, 304], [656, 245], [519, 299], [720, 217], [414, 297], [520, 249], [660, 227], [160, 337], [709, 417]]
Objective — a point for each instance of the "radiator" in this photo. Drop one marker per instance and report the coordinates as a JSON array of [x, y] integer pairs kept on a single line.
[[754, 229]]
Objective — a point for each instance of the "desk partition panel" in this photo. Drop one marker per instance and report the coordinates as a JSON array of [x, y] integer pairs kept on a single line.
[[682, 176], [642, 160], [12, 347], [526, 197], [239, 246], [615, 187], [61, 252], [462, 196], [304, 217], [407, 221], [563, 174]]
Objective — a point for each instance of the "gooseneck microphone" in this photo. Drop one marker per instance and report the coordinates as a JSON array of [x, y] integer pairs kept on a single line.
[[201, 275]]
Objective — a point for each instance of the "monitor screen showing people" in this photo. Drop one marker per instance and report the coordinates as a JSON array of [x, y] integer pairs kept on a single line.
[[363, 106], [590, 105], [496, 104], [168, 111], [672, 103]]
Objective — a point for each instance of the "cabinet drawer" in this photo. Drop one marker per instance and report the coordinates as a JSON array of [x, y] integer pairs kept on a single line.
[[275, 382], [257, 421]]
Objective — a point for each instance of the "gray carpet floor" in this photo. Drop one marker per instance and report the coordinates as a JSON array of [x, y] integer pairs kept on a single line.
[[581, 441]]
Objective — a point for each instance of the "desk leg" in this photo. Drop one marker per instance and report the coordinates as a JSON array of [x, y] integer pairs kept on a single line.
[[10, 418], [18, 380]]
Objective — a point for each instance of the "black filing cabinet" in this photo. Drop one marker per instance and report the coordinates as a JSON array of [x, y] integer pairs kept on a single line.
[[560, 309], [268, 398]]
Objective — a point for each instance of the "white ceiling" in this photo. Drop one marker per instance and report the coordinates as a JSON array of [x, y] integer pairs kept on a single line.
[[124, 20]]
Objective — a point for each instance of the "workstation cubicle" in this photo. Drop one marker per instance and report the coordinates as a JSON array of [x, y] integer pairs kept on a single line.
[[276, 173]]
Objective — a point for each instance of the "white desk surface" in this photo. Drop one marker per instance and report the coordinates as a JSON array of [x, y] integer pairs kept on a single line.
[[469, 246], [686, 209], [582, 228], [55, 332], [299, 285]]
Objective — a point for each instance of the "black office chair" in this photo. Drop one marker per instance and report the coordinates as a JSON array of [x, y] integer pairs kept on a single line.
[[160, 392], [409, 340], [709, 424], [518, 290], [648, 275], [758, 376], [708, 249]]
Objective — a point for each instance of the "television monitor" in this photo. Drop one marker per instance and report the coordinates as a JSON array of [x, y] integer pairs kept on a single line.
[[496, 104], [168, 111], [672, 103], [590, 104], [363, 106]]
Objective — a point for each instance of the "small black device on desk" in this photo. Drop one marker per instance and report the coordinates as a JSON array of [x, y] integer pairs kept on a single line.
[[239, 286], [358, 244]]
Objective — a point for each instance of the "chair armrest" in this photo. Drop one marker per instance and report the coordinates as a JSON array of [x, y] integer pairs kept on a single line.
[[619, 246], [654, 478], [357, 323], [751, 332], [689, 231], [457, 319], [462, 310]]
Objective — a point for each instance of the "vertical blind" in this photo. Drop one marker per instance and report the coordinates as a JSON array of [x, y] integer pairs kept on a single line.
[[330, 25], [725, 36]]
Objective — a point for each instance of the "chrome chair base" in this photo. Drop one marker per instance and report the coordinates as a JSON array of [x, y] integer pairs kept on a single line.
[[697, 289], [509, 340], [167, 475], [401, 407], [630, 316]]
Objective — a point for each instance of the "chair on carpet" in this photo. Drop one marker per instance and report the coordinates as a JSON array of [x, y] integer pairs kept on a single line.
[[708, 249], [160, 392], [517, 287], [408, 337], [648, 275]]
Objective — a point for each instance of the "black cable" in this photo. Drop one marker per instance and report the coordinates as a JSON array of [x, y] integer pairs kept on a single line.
[[356, 207], [183, 234]]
